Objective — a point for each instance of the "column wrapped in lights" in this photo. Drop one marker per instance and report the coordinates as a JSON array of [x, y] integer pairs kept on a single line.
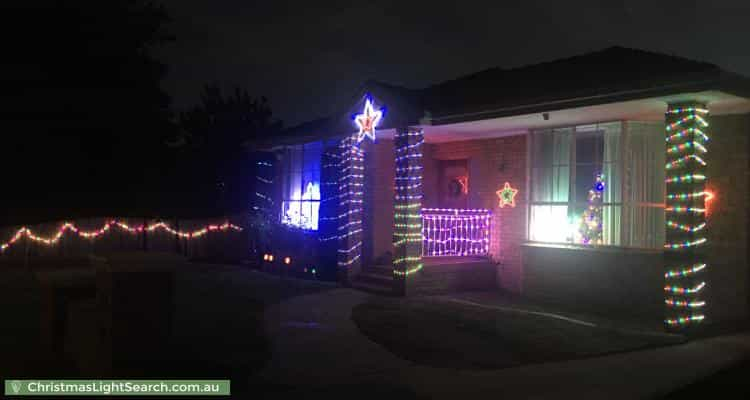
[[350, 196], [686, 146], [407, 229], [455, 232]]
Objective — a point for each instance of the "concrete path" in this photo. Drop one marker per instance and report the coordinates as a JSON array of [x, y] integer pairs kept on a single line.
[[316, 343]]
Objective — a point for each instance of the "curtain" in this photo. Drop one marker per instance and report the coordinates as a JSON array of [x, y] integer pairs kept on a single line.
[[611, 171], [551, 184], [644, 185]]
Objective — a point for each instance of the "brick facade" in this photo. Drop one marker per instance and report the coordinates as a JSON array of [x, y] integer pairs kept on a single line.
[[728, 172], [491, 163]]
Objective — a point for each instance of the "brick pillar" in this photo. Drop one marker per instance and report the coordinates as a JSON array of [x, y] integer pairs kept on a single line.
[[351, 186], [685, 248], [407, 230]]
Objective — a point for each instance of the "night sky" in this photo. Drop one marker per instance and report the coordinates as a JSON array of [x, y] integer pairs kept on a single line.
[[309, 56]]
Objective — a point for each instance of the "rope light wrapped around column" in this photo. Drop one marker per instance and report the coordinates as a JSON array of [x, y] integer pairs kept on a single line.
[[686, 147], [351, 193], [407, 229]]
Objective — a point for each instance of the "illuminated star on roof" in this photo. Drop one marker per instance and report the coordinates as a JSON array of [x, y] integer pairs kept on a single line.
[[367, 121]]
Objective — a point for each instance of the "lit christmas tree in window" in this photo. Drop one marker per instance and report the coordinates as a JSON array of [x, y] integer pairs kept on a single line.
[[590, 228]]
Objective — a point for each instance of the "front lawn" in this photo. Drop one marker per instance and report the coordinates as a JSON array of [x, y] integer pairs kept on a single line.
[[436, 332]]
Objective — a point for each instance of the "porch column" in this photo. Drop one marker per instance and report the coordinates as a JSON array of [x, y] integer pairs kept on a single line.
[[407, 229], [351, 187], [685, 205]]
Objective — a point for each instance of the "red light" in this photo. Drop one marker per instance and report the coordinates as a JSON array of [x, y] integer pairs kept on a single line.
[[709, 196], [287, 260]]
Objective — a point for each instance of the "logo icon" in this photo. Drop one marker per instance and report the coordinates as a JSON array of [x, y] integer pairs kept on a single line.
[[16, 386]]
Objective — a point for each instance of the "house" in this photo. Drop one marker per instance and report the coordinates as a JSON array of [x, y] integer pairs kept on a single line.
[[614, 181]]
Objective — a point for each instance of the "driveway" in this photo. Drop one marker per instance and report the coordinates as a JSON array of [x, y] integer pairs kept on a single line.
[[315, 343]]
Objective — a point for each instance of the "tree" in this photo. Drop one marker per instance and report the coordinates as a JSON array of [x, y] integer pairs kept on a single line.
[[214, 132], [590, 228]]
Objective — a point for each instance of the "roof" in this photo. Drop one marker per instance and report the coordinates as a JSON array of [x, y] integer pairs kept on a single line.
[[609, 75]]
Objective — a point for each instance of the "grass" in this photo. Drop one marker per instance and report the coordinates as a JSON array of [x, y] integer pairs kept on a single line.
[[217, 327], [439, 333], [729, 383]]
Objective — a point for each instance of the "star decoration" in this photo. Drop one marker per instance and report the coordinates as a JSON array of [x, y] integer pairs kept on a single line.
[[507, 196], [367, 121]]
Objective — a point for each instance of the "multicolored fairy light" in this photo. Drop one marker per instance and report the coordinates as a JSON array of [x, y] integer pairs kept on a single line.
[[590, 228], [507, 196], [681, 273], [686, 208], [367, 121], [95, 234]]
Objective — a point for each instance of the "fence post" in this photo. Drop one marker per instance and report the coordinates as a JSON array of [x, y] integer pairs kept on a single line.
[[145, 236], [177, 237]]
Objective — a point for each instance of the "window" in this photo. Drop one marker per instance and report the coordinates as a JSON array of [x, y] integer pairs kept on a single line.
[[301, 186], [564, 165]]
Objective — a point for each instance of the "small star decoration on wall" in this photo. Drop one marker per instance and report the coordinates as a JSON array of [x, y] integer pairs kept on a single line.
[[507, 196], [367, 121]]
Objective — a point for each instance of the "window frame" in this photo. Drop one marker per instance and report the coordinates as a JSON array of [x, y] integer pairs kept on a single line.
[[572, 164], [289, 170]]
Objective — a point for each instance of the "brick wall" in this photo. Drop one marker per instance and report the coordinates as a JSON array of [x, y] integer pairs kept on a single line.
[[610, 281], [379, 180], [728, 174], [492, 162]]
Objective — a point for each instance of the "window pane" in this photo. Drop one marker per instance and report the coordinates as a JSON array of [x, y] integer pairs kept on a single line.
[[551, 224], [551, 171], [611, 220], [301, 190], [541, 181]]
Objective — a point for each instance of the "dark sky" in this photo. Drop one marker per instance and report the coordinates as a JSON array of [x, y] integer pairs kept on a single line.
[[307, 56]]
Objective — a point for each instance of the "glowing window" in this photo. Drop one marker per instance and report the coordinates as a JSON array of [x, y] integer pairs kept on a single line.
[[300, 204]]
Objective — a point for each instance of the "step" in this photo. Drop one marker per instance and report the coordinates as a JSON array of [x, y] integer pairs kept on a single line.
[[376, 277], [373, 287], [380, 269]]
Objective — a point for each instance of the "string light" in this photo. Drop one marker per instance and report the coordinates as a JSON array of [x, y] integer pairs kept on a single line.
[[686, 196], [689, 178], [687, 211], [685, 132], [682, 161], [351, 185], [408, 217], [683, 290], [679, 148], [590, 227], [683, 210], [681, 273], [95, 234], [684, 303], [681, 110], [408, 271], [684, 320], [685, 244], [455, 232], [686, 228]]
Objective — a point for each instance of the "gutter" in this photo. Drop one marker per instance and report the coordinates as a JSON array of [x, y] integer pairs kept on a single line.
[[555, 105]]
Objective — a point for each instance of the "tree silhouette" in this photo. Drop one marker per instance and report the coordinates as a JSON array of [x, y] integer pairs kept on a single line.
[[214, 132]]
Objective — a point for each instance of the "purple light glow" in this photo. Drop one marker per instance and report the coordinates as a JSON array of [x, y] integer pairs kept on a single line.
[[455, 232]]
